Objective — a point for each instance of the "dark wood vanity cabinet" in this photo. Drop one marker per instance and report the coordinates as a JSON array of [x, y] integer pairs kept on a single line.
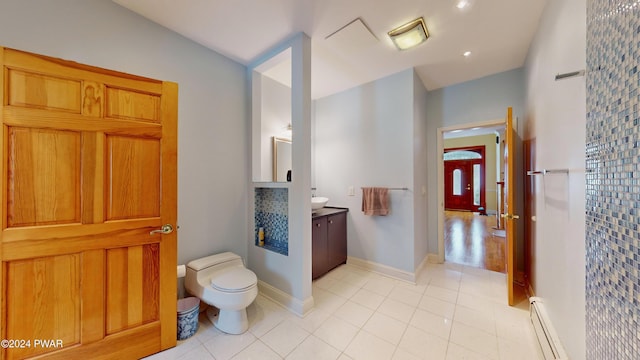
[[319, 264], [329, 242], [336, 240]]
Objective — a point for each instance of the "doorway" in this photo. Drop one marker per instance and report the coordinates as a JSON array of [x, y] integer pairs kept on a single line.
[[463, 190]]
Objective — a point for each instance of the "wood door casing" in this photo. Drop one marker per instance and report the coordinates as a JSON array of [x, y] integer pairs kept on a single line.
[[509, 211], [529, 211], [89, 168]]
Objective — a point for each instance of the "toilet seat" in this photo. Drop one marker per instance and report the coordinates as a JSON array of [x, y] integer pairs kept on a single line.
[[234, 280]]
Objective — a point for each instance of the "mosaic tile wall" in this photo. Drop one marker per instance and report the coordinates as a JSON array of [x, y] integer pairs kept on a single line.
[[272, 214], [613, 180]]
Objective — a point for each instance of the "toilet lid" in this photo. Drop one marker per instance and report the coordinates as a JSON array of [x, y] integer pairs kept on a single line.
[[234, 280]]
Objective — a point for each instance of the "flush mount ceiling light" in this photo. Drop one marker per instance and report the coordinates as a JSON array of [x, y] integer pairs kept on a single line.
[[462, 4], [410, 34], [466, 54]]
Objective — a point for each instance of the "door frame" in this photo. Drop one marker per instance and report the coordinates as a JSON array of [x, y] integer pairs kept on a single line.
[[440, 172], [480, 149]]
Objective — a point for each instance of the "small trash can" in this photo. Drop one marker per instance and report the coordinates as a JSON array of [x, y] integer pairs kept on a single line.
[[188, 310]]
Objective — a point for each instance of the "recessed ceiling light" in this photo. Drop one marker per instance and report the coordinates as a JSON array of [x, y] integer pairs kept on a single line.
[[462, 4], [466, 53]]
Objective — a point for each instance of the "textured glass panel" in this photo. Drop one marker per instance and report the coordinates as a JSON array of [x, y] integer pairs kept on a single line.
[[457, 182], [476, 184], [461, 155]]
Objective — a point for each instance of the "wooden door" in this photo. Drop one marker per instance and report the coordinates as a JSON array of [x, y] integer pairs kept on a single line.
[[509, 216], [458, 188], [88, 170]]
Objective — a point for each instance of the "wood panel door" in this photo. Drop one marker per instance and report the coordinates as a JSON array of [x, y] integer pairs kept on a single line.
[[88, 171]]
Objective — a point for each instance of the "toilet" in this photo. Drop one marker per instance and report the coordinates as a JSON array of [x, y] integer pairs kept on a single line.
[[222, 281]]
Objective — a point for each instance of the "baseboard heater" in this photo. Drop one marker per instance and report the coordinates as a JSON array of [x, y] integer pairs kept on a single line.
[[547, 338]]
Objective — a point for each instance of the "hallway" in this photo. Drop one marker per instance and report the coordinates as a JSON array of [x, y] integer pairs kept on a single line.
[[469, 241]]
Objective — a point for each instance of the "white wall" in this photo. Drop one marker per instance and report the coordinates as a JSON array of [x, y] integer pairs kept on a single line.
[[477, 100], [365, 137], [291, 274], [556, 118], [212, 107], [420, 170]]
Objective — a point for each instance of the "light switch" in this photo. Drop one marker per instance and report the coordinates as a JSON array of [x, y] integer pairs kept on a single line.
[[351, 191]]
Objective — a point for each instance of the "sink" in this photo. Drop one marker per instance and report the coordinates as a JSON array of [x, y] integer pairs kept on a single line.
[[318, 202]]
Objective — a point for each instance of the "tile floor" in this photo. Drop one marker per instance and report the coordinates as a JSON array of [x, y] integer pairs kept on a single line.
[[454, 312]]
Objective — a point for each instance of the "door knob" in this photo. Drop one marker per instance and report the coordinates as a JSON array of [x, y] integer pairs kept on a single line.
[[165, 229], [509, 216], [468, 186]]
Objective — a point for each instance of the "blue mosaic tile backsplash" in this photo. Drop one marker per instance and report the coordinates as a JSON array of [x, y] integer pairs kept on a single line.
[[272, 214], [613, 180]]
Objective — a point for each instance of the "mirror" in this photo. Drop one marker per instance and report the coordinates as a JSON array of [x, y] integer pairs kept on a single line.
[[281, 159]]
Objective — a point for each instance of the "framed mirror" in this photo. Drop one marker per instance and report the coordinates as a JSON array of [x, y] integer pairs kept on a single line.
[[281, 158]]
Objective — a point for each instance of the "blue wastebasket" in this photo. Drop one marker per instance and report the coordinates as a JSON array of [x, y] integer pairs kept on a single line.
[[188, 310]]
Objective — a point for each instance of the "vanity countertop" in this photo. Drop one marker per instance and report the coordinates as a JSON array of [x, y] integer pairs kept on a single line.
[[327, 210]]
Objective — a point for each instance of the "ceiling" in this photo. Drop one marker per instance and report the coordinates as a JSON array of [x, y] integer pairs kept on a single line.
[[497, 32]]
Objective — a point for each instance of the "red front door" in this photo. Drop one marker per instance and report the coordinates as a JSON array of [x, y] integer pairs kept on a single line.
[[458, 189]]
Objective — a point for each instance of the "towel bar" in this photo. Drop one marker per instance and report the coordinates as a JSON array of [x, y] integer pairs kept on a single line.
[[545, 171]]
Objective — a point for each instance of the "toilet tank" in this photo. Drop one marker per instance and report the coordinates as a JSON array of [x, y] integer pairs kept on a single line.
[[207, 265]]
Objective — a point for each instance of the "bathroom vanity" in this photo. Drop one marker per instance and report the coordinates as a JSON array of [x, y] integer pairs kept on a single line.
[[329, 239]]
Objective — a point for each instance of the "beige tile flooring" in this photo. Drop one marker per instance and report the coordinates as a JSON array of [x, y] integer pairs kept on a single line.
[[454, 312]]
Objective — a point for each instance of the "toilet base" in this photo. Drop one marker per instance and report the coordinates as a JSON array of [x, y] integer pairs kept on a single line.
[[229, 321]]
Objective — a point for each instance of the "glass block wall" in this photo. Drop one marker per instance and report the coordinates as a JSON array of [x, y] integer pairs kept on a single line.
[[613, 180]]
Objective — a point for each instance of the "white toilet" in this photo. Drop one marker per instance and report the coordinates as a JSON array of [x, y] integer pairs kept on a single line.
[[222, 280]]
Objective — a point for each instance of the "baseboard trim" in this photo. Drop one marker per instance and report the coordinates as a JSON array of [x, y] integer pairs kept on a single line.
[[382, 269], [294, 305], [433, 259], [422, 265]]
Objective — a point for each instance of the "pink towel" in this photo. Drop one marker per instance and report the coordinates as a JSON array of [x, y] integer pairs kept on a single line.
[[375, 201]]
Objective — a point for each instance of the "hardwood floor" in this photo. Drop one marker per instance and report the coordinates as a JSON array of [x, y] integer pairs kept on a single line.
[[468, 240]]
